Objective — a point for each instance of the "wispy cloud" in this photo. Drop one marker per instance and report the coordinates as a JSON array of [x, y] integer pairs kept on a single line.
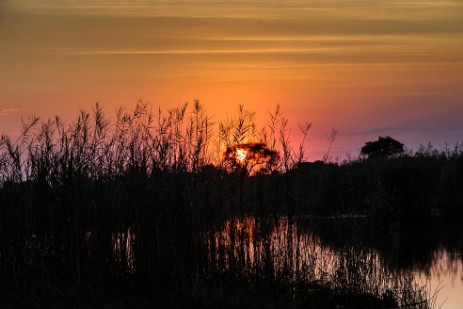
[[390, 130], [199, 52], [412, 128], [6, 111]]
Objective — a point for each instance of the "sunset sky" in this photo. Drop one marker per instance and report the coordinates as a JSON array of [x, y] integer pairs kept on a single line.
[[365, 67]]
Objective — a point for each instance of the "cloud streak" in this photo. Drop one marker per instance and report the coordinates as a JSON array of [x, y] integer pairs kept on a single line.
[[411, 128], [6, 111], [352, 63], [198, 52]]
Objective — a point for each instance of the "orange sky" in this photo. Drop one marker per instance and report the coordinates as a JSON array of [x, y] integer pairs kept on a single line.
[[364, 67]]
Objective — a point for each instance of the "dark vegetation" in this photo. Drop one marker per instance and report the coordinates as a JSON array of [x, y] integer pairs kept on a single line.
[[127, 214], [382, 148]]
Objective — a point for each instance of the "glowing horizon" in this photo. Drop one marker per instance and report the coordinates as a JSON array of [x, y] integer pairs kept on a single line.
[[364, 68]]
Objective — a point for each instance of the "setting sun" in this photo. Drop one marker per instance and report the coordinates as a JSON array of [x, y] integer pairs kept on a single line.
[[393, 67], [177, 154], [240, 155]]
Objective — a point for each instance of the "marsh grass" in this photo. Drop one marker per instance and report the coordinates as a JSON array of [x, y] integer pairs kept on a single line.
[[102, 210]]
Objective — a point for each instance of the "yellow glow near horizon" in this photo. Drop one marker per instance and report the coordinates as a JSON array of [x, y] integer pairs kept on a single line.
[[241, 155], [365, 67]]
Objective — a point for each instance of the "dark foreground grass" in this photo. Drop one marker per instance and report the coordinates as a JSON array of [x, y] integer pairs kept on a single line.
[[149, 240], [123, 215], [235, 294]]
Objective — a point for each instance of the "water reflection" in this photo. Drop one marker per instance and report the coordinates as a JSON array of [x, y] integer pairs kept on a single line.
[[444, 278], [123, 245], [346, 256], [421, 266]]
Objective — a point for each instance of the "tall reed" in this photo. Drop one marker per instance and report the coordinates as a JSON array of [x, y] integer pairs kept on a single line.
[[121, 207]]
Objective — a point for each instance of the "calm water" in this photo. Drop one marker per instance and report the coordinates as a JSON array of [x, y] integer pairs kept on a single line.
[[445, 276], [413, 263], [349, 253]]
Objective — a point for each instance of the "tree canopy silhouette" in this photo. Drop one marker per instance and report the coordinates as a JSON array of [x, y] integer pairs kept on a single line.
[[382, 148], [250, 155]]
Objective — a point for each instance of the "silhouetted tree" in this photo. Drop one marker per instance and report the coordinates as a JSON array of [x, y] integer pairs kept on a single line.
[[383, 147], [250, 155]]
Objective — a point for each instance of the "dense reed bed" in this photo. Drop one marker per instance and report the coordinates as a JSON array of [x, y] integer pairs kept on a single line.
[[125, 211], [407, 188]]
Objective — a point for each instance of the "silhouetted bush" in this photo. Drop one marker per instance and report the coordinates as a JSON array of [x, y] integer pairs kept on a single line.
[[383, 147]]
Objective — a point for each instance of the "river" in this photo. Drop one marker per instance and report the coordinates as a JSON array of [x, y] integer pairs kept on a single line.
[[412, 263]]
